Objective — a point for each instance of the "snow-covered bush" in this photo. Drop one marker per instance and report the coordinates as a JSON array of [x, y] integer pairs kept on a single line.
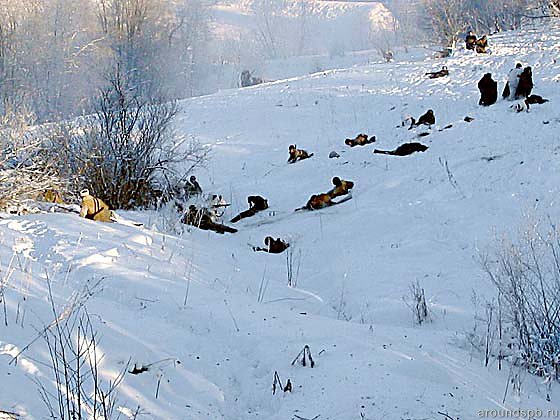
[[128, 153], [27, 164], [526, 274]]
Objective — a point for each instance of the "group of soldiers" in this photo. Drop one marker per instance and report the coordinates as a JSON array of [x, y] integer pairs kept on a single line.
[[476, 44], [207, 216], [519, 86], [203, 217]]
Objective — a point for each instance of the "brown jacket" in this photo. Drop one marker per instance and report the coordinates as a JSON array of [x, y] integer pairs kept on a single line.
[[342, 189], [319, 201], [95, 209], [53, 196], [297, 154]]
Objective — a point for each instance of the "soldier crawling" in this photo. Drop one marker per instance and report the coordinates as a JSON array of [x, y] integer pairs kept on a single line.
[[94, 209], [256, 204], [359, 140], [318, 201], [273, 246], [297, 154], [404, 149], [437, 74], [201, 219]]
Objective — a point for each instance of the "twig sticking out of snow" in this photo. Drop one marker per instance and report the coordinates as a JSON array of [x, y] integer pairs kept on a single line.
[[278, 383], [305, 354], [447, 416], [450, 177], [305, 418], [232, 317]]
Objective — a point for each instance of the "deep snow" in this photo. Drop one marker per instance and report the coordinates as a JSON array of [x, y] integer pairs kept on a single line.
[[407, 221]]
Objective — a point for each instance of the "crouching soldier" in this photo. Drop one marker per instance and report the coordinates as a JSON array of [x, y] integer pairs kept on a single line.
[[217, 206], [94, 209], [256, 204], [273, 246], [192, 187], [202, 220], [481, 45], [297, 154], [53, 196], [470, 41], [488, 88], [341, 187]]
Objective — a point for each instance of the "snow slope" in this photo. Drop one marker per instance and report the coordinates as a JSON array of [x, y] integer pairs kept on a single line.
[[409, 219]]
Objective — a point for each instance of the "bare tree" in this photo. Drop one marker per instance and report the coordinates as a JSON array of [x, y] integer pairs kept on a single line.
[[53, 54], [447, 19], [450, 18], [128, 153]]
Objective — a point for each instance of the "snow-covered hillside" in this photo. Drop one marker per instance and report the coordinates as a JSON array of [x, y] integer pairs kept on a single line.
[[214, 320]]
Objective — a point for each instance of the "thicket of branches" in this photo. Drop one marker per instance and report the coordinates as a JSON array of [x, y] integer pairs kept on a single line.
[[523, 323], [451, 18], [53, 53], [27, 163], [127, 153]]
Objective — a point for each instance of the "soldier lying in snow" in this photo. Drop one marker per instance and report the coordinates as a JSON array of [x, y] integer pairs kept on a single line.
[[273, 246], [201, 219], [359, 140], [318, 201], [341, 187], [256, 204], [297, 154], [404, 149], [94, 209], [437, 74]]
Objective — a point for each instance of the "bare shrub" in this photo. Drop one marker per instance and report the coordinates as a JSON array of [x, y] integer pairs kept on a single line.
[[128, 153], [75, 362], [526, 274], [417, 303]]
